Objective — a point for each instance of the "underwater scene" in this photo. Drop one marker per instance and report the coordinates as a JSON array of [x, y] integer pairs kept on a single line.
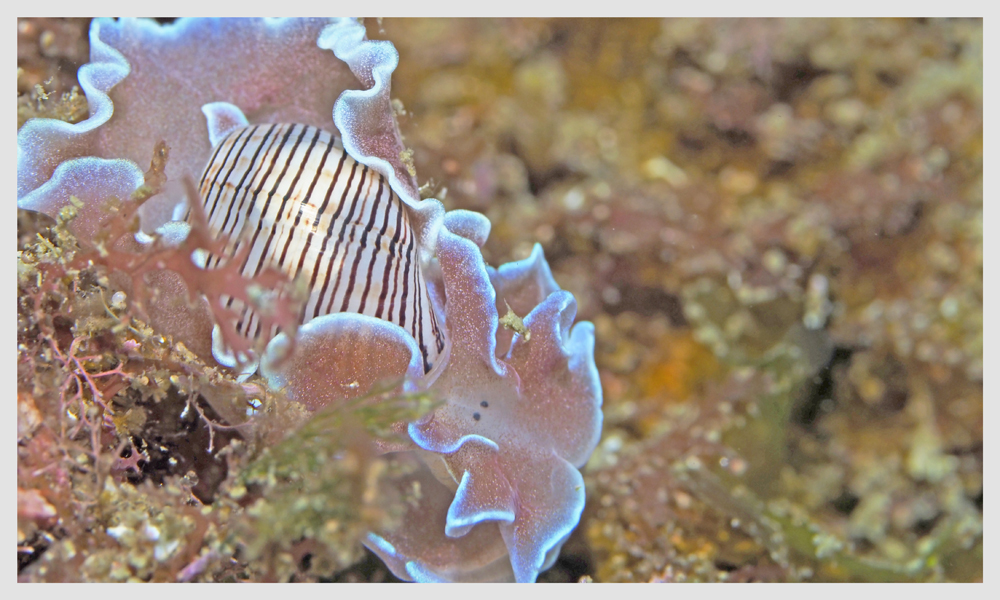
[[500, 300]]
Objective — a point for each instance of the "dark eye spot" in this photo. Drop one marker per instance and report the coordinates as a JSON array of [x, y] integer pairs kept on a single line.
[[484, 404], [475, 416]]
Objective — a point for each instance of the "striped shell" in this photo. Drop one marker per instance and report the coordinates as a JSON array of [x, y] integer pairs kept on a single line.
[[310, 210]]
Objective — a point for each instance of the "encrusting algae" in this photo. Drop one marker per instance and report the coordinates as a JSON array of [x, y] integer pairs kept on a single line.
[[775, 226]]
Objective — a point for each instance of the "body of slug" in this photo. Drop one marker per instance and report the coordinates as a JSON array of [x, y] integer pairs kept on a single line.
[[310, 210]]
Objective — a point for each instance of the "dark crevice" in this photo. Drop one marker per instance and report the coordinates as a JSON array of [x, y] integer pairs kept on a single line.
[[575, 561], [681, 58], [38, 546], [846, 502], [647, 301], [887, 79], [791, 79], [819, 389], [368, 569], [975, 449], [691, 143], [925, 526], [538, 179], [735, 136], [557, 42], [175, 440], [725, 565], [778, 168]]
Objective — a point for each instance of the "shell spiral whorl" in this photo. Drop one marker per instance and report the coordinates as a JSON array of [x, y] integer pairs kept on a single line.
[[307, 208]]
